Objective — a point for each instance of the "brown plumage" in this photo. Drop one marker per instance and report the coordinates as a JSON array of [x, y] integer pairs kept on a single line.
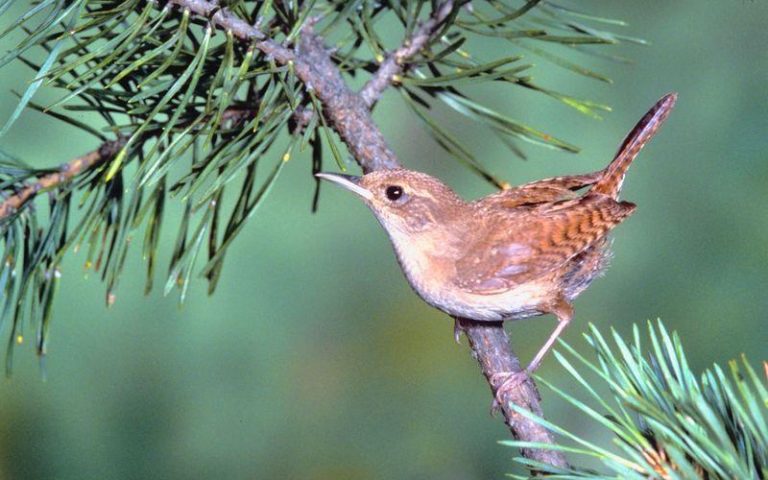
[[521, 252]]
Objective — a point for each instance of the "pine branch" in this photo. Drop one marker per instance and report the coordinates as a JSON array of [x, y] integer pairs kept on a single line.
[[666, 421], [396, 62], [84, 164], [64, 174], [225, 19], [346, 111], [181, 89]]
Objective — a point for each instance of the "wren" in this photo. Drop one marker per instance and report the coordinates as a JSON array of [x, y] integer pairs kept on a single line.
[[525, 251]]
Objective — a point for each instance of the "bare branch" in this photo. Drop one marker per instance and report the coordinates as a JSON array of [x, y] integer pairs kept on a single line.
[[395, 63]]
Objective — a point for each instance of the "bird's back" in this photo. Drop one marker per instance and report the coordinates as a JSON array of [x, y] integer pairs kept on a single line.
[[548, 229], [523, 242]]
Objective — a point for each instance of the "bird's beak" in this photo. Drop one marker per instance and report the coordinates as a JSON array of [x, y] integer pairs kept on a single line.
[[350, 182]]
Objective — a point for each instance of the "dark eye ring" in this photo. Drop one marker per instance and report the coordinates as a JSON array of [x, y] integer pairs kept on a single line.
[[394, 192]]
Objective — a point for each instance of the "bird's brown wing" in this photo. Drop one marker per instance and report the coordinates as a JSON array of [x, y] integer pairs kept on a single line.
[[548, 190], [526, 242]]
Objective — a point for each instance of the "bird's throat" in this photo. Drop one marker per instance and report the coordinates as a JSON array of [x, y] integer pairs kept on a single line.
[[427, 260]]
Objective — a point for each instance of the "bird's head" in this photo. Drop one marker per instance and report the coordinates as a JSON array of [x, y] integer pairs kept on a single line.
[[404, 201]]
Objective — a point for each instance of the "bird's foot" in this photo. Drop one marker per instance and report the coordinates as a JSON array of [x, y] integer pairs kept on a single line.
[[504, 383]]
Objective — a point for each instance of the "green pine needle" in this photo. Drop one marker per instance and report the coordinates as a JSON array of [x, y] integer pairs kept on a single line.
[[667, 422]]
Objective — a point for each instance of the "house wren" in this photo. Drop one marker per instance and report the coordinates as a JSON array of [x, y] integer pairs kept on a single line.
[[517, 253]]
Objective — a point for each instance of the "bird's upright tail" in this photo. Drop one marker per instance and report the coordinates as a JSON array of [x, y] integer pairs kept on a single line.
[[613, 175]]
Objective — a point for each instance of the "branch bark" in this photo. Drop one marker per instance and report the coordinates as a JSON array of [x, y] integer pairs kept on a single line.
[[490, 347], [64, 174], [84, 163], [396, 62], [345, 109], [349, 114]]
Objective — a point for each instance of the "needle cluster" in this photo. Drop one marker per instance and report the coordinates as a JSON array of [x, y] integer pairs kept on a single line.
[[666, 421]]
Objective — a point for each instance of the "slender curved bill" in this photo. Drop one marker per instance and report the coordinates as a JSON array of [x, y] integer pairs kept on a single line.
[[349, 182]]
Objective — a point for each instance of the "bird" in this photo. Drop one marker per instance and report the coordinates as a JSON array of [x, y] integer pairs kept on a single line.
[[520, 252]]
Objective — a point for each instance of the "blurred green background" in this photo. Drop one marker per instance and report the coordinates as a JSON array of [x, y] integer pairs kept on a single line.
[[314, 359]]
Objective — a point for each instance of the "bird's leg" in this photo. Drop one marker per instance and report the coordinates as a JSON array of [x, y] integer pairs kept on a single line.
[[564, 313], [509, 381]]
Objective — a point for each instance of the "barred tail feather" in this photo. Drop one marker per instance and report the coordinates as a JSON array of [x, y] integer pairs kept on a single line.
[[611, 181]]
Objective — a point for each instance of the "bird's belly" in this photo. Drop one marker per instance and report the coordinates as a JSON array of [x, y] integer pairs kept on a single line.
[[514, 304], [438, 291]]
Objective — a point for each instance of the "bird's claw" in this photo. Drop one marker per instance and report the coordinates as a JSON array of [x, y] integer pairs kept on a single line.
[[504, 383]]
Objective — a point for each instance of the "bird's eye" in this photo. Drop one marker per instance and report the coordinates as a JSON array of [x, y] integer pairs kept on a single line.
[[394, 192]]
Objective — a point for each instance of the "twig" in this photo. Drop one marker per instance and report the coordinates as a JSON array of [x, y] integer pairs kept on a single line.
[[68, 171], [63, 175], [395, 62], [225, 19], [348, 112]]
